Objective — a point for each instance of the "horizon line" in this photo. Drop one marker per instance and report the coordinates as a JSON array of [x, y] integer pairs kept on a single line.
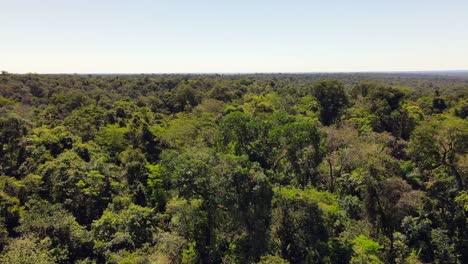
[[235, 73]]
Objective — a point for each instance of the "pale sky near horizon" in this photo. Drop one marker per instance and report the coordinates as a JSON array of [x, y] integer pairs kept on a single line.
[[175, 36]]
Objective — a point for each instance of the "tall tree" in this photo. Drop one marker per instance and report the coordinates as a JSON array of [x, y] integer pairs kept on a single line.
[[333, 100]]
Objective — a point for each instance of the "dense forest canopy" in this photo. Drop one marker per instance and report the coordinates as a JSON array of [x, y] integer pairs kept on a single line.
[[241, 168]]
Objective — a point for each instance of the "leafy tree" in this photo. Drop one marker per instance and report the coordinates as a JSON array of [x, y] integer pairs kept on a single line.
[[308, 106], [123, 225], [300, 224], [185, 97], [365, 250], [332, 98], [444, 250], [239, 130], [461, 109], [441, 141], [86, 121], [12, 129], [112, 138], [248, 197], [28, 250], [69, 240], [302, 148], [385, 104], [44, 144], [157, 185], [10, 209]]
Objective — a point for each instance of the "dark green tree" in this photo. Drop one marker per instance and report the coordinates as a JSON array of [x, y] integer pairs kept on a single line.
[[333, 100]]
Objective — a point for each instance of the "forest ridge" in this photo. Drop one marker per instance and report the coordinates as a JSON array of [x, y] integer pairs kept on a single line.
[[241, 168]]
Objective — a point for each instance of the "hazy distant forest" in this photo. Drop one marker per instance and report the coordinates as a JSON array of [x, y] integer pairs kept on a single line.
[[253, 168]]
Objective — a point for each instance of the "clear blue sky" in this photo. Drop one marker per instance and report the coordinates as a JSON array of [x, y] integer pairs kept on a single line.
[[102, 36]]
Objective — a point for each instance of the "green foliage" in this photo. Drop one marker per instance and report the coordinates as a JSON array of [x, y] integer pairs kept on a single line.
[[441, 141], [129, 228], [384, 109], [300, 223], [128, 257], [12, 129], [10, 209], [28, 250], [365, 250], [462, 199], [112, 138], [86, 121], [461, 109], [308, 106], [272, 260], [156, 186], [189, 255], [444, 250], [6, 102], [257, 168], [332, 98], [327, 202], [69, 240]]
